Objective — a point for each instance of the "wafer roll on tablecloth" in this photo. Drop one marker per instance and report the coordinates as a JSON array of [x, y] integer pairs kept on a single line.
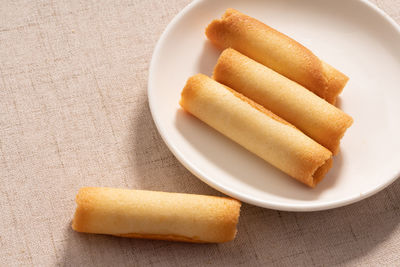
[[276, 51], [156, 215], [315, 117], [257, 129]]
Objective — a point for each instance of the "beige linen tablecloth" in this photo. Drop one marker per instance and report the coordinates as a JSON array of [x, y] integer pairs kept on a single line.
[[74, 112]]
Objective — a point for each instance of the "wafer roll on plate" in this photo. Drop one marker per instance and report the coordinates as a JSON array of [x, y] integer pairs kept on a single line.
[[257, 129], [276, 51], [156, 215], [315, 117]]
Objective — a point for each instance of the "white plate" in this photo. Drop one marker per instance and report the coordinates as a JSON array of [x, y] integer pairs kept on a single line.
[[352, 35]]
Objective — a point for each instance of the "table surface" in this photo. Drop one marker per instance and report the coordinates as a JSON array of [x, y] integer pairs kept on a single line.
[[74, 112]]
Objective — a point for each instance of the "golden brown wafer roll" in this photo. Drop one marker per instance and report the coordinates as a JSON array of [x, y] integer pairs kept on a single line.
[[276, 51], [156, 215], [315, 117], [257, 129]]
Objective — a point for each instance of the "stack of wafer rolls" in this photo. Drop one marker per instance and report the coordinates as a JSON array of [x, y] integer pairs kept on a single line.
[[273, 97]]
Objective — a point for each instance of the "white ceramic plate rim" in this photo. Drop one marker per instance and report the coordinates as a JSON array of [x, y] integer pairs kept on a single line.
[[234, 193]]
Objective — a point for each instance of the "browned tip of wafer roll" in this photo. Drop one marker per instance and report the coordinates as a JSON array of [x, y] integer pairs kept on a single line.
[[257, 129], [318, 119], [156, 215], [336, 82], [276, 51]]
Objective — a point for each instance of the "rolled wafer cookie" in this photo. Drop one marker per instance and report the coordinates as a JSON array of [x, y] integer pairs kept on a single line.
[[156, 215], [315, 117], [256, 129], [276, 51]]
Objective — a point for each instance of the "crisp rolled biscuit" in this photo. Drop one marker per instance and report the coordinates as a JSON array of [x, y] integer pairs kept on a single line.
[[315, 117], [276, 51], [156, 215], [257, 129]]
